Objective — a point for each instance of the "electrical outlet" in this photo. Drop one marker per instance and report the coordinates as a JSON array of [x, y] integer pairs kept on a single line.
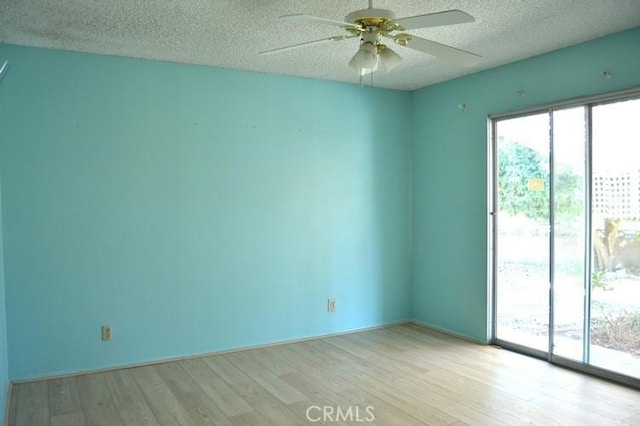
[[106, 332], [331, 305]]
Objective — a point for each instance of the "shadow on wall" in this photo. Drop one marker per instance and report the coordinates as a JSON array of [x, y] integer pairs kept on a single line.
[[390, 158]]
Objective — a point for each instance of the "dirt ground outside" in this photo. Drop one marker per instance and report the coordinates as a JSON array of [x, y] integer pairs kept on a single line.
[[523, 285]]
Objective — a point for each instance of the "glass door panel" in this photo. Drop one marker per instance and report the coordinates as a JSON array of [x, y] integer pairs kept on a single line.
[[566, 235], [522, 231], [569, 253], [615, 276]]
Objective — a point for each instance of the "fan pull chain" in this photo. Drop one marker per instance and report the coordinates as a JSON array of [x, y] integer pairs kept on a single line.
[[3, 69], [362, 76]]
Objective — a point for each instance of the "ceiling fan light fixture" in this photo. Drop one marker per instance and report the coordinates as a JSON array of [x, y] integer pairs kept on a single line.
[[365, 57], [388, 57]]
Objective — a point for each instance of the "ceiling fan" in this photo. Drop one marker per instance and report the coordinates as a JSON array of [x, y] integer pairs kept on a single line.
[[373, 26]]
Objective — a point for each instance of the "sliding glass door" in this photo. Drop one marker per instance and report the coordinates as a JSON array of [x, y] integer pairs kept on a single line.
[[566, 236], [522, 261], [570, 244], [615, 230]]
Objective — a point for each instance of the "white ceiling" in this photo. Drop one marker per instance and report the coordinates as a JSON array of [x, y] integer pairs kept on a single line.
[[230, 33]]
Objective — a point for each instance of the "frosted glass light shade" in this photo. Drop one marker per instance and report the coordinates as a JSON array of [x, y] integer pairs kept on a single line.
[[389, 58], [365, 57]]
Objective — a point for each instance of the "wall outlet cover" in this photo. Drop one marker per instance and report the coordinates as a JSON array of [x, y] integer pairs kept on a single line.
[[106, 332]]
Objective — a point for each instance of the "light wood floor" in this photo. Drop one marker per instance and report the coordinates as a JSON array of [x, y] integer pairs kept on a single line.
[[407, 374]]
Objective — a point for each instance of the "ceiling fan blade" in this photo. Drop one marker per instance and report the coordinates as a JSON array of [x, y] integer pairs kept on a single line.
[[308, 43], [449, 17], [448, 53], [316, 19]]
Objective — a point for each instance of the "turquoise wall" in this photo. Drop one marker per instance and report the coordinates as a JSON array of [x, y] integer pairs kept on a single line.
[[450, 167], [4, 360], [194, 209], [199, 209]]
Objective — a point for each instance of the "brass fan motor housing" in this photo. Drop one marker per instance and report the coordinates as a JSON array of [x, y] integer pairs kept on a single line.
[[372, 20]]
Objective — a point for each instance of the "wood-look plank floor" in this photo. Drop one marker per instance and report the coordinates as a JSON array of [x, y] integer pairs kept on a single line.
[[400, 375]]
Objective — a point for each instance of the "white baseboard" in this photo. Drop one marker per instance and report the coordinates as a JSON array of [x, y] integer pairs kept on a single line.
[[205, 354], [244, 348], [447, 331]]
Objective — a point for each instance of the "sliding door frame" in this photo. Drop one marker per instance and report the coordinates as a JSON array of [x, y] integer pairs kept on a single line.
[[588, 103]]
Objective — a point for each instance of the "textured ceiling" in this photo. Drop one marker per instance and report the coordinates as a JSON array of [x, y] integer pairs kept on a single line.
[[230, 33]]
